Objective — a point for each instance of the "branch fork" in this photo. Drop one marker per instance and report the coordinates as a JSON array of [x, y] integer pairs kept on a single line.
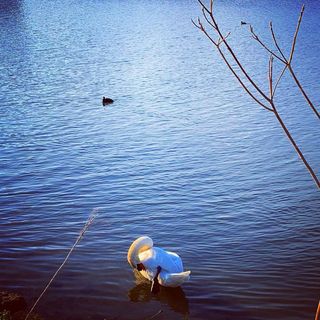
[[264, 100]]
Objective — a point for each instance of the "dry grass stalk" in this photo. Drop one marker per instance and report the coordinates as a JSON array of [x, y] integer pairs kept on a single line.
[[81, 234], [266, 101]]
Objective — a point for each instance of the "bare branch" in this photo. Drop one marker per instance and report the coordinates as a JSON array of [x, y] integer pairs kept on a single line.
[[229, 66], [241, 82], [286, 61], [297, 149], [207, 19], [303, 92], [296, 35], [255, 37], [270, 76], [197, 26], [225, 37], [217, 29], [276, 42], [204, 7], [294, 41], [206, 33], [278, 80], [211, 6]]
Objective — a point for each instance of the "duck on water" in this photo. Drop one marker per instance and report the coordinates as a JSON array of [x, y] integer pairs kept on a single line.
[[106, 101]]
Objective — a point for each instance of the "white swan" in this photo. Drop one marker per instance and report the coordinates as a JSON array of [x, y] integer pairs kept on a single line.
[[156, 264]]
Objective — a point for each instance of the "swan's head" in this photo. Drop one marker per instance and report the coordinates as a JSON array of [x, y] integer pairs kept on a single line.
[[139, 245]]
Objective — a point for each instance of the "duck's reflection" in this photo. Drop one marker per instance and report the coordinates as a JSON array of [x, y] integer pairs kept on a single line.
[[175, 298]]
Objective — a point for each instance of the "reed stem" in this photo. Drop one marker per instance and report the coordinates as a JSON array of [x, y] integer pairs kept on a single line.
[[81, 234]]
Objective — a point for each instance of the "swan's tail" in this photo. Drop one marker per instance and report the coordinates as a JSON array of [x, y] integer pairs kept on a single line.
[[173, 279]]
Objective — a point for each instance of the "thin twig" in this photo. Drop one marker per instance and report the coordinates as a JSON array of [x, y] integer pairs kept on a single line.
[[155, 315], [205, 8], [207, 19], [295, 35], [196, 25], [201, 27], [294, 41], [241, 82], [270, 76], [81, 234], [255, 37], [316, 112], [224, 38], [297, 149], [278, 80], [286, 61], [276, 42], [318, 312], [272, 90], [231, 51]]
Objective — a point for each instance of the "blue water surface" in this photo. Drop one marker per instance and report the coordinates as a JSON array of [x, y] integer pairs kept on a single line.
[[183, 155]]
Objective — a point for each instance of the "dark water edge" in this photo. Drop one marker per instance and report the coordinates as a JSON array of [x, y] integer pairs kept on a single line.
[[183, 155], [14, 307]]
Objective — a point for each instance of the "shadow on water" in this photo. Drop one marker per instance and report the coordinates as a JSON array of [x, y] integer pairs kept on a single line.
[[175, 298]]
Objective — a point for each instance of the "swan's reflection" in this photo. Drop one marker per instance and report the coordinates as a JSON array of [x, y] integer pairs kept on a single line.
[[175, 298]]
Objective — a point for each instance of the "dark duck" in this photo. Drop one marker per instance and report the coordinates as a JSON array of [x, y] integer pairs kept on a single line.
[[106, 101]]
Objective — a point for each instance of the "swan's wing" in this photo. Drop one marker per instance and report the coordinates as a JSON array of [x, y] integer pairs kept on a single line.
[[173, 263]]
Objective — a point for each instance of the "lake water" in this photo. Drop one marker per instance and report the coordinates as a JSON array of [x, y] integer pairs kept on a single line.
[[183, 155]]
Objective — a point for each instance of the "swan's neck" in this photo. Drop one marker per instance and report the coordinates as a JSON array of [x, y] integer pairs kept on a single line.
[[139, 245]]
